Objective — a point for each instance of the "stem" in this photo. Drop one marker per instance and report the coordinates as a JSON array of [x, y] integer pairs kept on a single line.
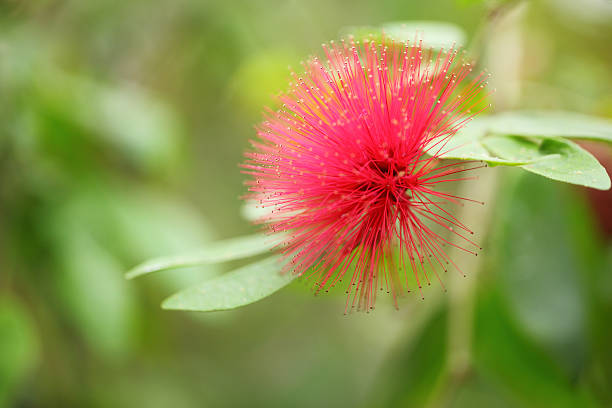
[[462, 290], [504, 49]]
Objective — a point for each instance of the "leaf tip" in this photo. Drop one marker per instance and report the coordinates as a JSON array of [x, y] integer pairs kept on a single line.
[[604, 185], [133, 273], [170, 303]]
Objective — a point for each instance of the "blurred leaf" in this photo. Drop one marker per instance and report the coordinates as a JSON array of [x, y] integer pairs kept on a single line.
[[558, 159], [541, 266], [410, 377], [97, 300], [234, 289], [515, 364], [598, 372], [99, 230], [125, 118], [19, 348], [551, 124], [434, 34], [262, 76], [361, 32], [72, 111], [147, 222], [216, 252], [600, 369], [250, 211], [470, 2], [95, 294], [143, 223], [477, 391]]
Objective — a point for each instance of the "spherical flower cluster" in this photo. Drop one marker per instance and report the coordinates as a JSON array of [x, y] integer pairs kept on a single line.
[[350, 166]]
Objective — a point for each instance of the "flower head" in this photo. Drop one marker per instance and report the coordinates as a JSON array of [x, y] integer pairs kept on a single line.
[[350, 166]]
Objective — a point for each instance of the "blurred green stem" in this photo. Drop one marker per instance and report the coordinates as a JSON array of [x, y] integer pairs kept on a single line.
[[481, 37], [500, 38], [462, 290], [462, 287]]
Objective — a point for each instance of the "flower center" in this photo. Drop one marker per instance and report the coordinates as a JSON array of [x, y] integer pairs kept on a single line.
[[389, 178]]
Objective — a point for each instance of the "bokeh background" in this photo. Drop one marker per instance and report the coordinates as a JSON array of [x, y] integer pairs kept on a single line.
[[122, 124]]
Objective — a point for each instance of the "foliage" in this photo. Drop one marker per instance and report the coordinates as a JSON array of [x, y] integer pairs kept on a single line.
[[121, 127]]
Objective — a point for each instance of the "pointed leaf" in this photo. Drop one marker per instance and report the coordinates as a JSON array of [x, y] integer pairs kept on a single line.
[[559, 159], [466, 144], [238, 288], [216, 252], [531, 141]]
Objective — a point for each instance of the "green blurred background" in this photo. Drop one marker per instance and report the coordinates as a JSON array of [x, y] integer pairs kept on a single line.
[[121, 127]]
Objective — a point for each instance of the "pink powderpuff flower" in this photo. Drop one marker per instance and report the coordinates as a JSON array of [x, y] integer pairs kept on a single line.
[[350, 166]]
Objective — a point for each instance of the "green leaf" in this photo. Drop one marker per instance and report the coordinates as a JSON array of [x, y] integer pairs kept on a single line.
[[127, 119], [551, 124], [557, 159], [467, 144], [216, 252], [90, 274], [410, 376], [505, 140], [137, 222], [506, 357], [99, 301], [542, 266], [477, 390], [261, 76], [433, 33], [19, 348], [238, 288], [361, 32], [250, 211]]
